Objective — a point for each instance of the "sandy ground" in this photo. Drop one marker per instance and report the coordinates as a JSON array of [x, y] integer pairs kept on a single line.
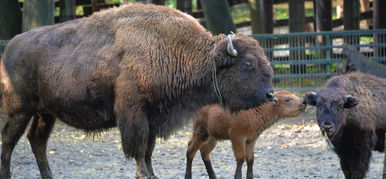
[[293, 148]]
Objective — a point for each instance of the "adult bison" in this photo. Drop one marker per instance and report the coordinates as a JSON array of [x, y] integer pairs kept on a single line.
[[351, 110], [141, 68]]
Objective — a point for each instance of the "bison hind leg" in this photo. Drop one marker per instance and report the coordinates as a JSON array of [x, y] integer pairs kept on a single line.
[[38, 135], [11, 133]]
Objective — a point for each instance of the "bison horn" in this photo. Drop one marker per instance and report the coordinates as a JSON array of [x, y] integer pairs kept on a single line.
[[231, 50]]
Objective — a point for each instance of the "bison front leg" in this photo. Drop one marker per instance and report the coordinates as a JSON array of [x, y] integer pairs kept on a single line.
[[345, 165], [134, 129], [149, 153], [360, 162]]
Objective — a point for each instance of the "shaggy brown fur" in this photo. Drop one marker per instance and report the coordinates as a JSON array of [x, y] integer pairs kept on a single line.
[[139, 67], [350, 109], [213, 123]]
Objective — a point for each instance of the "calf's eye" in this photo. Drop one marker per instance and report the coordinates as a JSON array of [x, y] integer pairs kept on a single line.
[[248, 64], [288, 100]]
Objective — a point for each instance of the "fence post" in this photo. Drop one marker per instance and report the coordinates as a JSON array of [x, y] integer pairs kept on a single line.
[[38, 13]]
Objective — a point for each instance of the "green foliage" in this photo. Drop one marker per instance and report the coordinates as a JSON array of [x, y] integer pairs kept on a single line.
[[281, 14], [171, 3]]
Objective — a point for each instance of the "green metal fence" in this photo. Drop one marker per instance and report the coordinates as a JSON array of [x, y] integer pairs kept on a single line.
[[2, 45], [304, 61]]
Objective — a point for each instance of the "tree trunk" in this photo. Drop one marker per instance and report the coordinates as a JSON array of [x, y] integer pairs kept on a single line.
[[257, 16], [323, 15], [217, 16], [379, 22], [268, 20], [297, 23], [185, 6], [10, 19], [351, 14], [261, 16], [379, 17], [67, 10], [37, 13]]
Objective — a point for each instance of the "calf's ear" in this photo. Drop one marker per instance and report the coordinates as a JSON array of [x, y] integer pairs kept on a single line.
[[310, 98], [350, 101]]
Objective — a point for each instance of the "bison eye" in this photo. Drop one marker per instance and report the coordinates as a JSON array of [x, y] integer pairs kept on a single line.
[[288, 100], [248, 64]]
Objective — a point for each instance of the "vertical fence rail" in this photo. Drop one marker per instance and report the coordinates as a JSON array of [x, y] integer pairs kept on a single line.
[[3, 43], [304, 61]]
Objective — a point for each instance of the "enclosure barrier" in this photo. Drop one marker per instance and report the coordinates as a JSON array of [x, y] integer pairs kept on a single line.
[[304, 61], [2, 45]]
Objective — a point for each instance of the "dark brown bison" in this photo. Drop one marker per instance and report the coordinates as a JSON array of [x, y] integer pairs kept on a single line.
[[141, 68], [351, 111]]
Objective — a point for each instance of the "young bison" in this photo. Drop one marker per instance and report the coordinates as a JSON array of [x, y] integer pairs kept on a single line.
[[141, 68], [351, 111], [213, 123]]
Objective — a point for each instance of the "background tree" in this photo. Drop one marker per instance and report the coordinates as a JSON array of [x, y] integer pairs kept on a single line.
[[67, 10], [217, 16], [37, 13], [10, 19], [261, 12]]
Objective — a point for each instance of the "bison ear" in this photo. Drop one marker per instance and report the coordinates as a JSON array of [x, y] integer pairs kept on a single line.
[[225, 52], [350, 101], [310, 98]]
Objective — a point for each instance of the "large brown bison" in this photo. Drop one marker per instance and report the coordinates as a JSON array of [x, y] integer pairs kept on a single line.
[[351, 111], [141, 68]]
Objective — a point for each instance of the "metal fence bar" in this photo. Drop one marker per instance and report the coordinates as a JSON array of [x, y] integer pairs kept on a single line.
[[306, 60], [3, 43]]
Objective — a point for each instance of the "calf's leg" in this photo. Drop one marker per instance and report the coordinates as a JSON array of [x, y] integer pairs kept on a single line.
[[38, 136], [193, 146], [250, 158], [238, 145], [205, 155]]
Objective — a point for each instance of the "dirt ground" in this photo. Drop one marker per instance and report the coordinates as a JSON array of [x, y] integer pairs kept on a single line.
[[293, 148]]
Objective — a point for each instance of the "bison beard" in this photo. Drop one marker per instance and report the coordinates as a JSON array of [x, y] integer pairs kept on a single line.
[[141, 68]]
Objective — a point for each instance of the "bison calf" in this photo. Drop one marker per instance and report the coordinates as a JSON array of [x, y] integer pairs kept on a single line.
[[213, 123], [351, 111], [141, 68]]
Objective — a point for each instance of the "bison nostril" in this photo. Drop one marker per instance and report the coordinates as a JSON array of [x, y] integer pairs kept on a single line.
[[269, 95], [327, 125]]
